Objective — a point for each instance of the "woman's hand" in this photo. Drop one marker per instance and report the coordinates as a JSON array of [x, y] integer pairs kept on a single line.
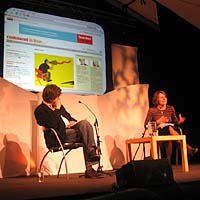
[[181, 119], [162, 119]]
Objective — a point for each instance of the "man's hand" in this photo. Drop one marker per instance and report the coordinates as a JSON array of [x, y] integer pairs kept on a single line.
[[56, 103], [71, 123]]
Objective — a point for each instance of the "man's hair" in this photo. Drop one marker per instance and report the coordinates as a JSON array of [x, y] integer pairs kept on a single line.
[[51, 92]]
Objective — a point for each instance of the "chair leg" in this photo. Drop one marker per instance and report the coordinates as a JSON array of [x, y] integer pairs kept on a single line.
[[62, 162], [39, 81], [61, 149], [41, 163]]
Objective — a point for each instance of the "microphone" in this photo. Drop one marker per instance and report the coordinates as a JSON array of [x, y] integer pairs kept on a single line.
[[96, 128], [145, 129], [96, 122]]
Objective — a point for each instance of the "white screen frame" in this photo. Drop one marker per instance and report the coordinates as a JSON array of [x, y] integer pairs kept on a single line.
[[30, 36]]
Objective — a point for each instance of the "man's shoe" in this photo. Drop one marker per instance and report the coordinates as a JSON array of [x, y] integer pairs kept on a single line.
[[91, 173]]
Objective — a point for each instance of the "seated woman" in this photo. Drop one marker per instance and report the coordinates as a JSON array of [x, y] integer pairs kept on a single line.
[[165, 117]]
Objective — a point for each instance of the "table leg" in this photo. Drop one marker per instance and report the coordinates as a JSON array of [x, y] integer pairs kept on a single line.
[[184, 157], [128, 152], [154, 149]]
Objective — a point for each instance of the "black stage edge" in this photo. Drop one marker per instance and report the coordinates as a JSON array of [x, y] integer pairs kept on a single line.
[[186, 186]]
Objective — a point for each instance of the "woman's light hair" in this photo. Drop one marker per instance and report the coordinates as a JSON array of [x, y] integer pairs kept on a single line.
[[155, 96]]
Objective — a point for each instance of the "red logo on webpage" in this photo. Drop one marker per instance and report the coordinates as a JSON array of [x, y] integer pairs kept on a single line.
[[85, 39]]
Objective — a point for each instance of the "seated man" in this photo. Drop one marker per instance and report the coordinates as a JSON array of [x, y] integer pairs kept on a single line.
[[44, 67], [52, 114]]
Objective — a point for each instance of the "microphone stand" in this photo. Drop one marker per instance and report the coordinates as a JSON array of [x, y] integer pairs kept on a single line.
[[99, 169], [143, 134]]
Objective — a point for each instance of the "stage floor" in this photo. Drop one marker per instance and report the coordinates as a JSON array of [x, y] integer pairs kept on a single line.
[[75, 187]]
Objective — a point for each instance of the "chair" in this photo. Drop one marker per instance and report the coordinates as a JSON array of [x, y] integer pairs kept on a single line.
[[40, 75], [58, 146]]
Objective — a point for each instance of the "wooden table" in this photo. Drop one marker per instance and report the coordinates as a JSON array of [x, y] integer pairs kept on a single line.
[[153, 146]]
